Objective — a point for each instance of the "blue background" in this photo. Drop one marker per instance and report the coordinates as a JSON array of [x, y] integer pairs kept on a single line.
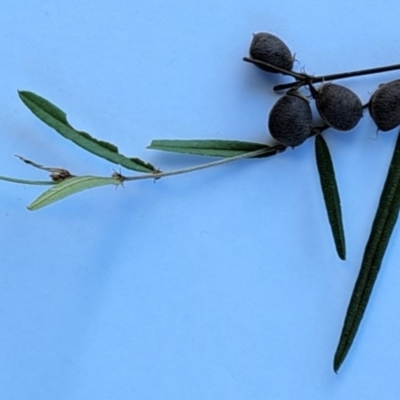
[[221, 284]]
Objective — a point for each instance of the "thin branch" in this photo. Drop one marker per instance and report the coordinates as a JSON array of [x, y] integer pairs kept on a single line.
[[274, 150], [26, 181]]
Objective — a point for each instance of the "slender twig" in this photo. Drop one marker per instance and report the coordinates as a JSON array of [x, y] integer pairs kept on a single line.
[[269, 150], [26, 181], [343, 75]]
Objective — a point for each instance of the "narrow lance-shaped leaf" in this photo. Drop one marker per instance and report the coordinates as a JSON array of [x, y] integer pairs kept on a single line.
[[57, 119], [331, 194], [39, 166], [381, 231], [68, 187], [57, 174], [213, 148]]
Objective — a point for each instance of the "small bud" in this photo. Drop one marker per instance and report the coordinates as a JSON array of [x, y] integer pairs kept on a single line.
[[338, 106], [270, 49], [290, 119], [384, 106]]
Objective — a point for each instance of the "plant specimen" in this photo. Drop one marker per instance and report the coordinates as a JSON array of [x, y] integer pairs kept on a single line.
[[290, 123]]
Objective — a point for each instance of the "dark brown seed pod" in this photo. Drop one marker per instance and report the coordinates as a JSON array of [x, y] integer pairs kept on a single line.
[[338, 106], [384, 106], [290, 119], [269, 48]]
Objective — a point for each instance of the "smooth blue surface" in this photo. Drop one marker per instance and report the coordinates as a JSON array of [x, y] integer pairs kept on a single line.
[[221, 284]]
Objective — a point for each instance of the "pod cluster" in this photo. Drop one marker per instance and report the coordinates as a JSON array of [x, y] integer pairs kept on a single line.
[[290, 119]]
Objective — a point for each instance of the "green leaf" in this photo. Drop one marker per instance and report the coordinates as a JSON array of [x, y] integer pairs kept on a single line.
[[381, 231], [213, 148], [331, 194], [57, 119], [68, 187]]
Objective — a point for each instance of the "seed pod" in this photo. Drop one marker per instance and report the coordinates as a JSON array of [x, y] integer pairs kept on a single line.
[[338, 106], [384, 106], [269, 48], [290, 119]]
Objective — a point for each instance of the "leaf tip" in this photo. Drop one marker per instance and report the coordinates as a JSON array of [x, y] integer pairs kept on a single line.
[[23, 95], [338, 359], [341, 247], [336, 367]]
